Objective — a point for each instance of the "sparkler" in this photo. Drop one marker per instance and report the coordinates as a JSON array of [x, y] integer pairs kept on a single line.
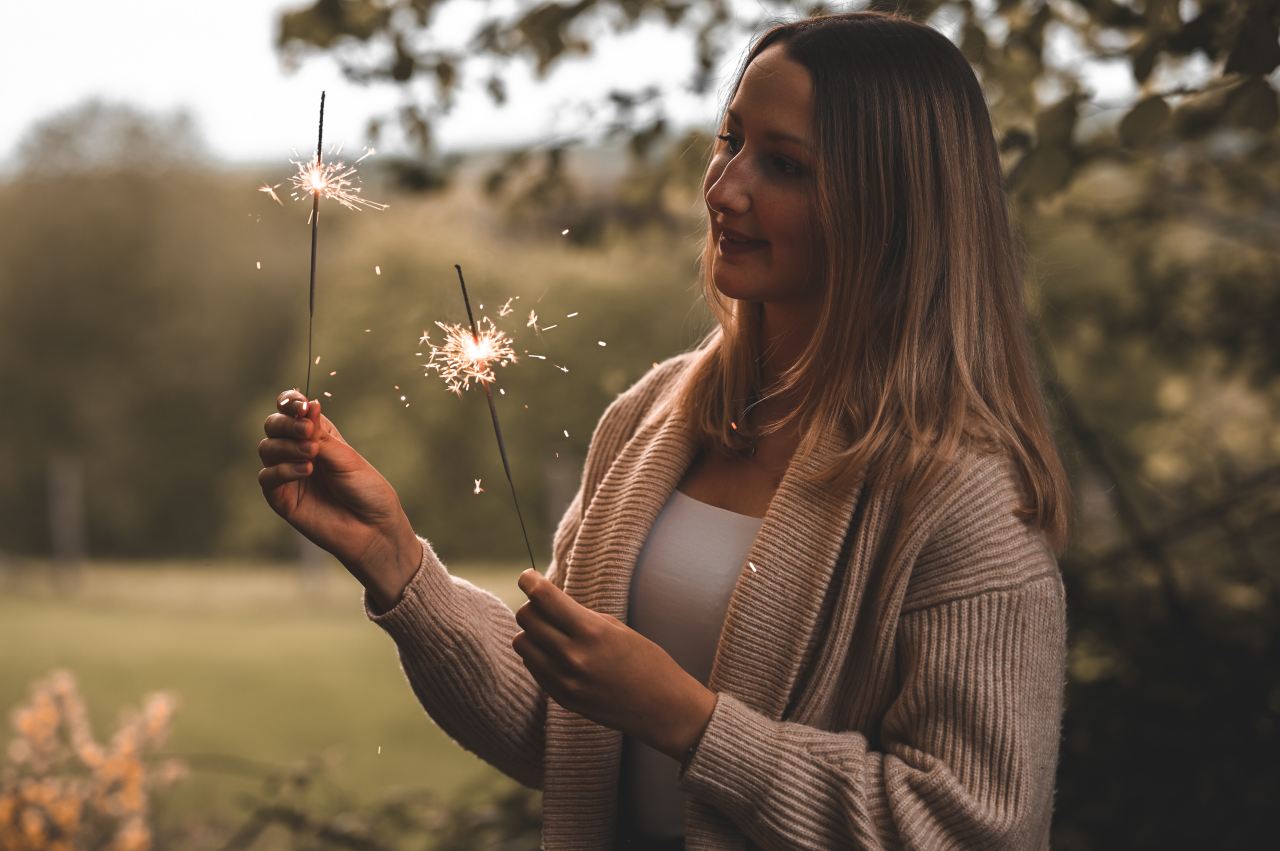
[[463, 359], [319, 179]]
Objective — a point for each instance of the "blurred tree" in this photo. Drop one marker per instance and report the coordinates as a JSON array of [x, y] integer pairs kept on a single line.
[[115, 360]]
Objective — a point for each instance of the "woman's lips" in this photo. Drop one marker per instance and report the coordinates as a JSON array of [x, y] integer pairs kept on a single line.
[[729, 247]]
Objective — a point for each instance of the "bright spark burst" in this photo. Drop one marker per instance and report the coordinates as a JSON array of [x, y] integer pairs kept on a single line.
[[462, 358], [335, 180]]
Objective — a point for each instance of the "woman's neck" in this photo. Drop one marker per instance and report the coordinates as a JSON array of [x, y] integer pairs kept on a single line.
[[786, 330]]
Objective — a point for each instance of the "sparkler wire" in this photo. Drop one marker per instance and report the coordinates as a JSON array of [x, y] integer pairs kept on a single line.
[[315, 224], [497, 429]]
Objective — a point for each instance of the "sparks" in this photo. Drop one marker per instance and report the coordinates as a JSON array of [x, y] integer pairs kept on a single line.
[[271, 190], [377, 270], [335, 180], [601, 343], [463, 358], [507, 309], [478, 490], [571, 315]]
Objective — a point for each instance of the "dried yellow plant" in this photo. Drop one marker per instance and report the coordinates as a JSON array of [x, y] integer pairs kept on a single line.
[[61, 790]]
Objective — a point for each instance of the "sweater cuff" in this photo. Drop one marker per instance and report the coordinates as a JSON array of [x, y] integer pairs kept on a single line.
[[415, 619], [736, 746]]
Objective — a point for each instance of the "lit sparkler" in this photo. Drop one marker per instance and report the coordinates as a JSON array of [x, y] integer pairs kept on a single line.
[[463, 359], [319, 179], [335, 180], [468, 356]]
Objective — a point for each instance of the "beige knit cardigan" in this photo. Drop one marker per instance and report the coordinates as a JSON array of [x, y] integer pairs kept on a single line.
[[883, 681]]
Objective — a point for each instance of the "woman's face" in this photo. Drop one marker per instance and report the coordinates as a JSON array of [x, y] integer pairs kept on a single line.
[[757, 185]]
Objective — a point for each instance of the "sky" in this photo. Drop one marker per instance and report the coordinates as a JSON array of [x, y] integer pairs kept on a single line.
[[217, 60]]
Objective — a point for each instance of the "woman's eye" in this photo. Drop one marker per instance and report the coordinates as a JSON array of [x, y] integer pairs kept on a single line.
[[783, 165], [786, 166]]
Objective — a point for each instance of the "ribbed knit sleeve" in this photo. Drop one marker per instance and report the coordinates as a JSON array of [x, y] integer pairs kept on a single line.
[[454, 638], [968, 753], [454, 641]]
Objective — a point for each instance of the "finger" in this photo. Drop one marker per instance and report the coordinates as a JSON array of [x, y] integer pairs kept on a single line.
[[276, 475], [561, 610], [291, 402], [542, 632], [540, 664], [283, 426], [274, 451]]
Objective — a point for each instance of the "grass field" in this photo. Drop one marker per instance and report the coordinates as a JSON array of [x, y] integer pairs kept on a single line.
[[269, 665]]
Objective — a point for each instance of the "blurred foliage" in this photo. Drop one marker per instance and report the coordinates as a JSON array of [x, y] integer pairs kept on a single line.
[[153, 310], [62, 790]]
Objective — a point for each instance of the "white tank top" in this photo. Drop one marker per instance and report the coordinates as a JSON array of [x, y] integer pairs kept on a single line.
[[684, 576]]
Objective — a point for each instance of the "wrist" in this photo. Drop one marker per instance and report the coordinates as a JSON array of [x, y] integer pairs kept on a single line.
[[387, 573], [698, 719]]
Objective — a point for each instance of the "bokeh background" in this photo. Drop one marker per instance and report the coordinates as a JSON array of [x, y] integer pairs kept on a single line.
[[181, 670]]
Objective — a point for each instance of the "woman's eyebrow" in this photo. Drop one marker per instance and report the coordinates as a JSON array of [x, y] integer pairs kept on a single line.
[[773, 134]]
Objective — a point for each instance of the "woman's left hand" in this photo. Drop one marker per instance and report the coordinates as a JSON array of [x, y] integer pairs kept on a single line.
[[595, 665]]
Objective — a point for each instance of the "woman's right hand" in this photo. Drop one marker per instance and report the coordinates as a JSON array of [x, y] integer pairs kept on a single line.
[[345, 506]]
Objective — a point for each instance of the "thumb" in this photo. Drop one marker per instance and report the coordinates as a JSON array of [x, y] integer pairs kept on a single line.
[[334, 453]]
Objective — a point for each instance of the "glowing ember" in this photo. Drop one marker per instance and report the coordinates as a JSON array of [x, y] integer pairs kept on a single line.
[[601, 343], [571, 315], [478, 490], [377, 270], [462, 358]]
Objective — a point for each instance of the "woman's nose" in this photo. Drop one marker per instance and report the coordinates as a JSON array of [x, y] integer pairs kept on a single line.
[[729, 191]]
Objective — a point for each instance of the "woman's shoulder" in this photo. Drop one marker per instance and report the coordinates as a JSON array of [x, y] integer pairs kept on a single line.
[[653, 390], [977, 542]]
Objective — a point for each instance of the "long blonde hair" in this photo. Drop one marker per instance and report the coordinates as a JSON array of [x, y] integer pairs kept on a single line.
[[922, 346]]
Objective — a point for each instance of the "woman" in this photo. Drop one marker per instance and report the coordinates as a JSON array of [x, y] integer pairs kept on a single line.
[[806, 595]]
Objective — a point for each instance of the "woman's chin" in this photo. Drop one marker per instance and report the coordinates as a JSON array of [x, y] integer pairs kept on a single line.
[[739, 290]]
